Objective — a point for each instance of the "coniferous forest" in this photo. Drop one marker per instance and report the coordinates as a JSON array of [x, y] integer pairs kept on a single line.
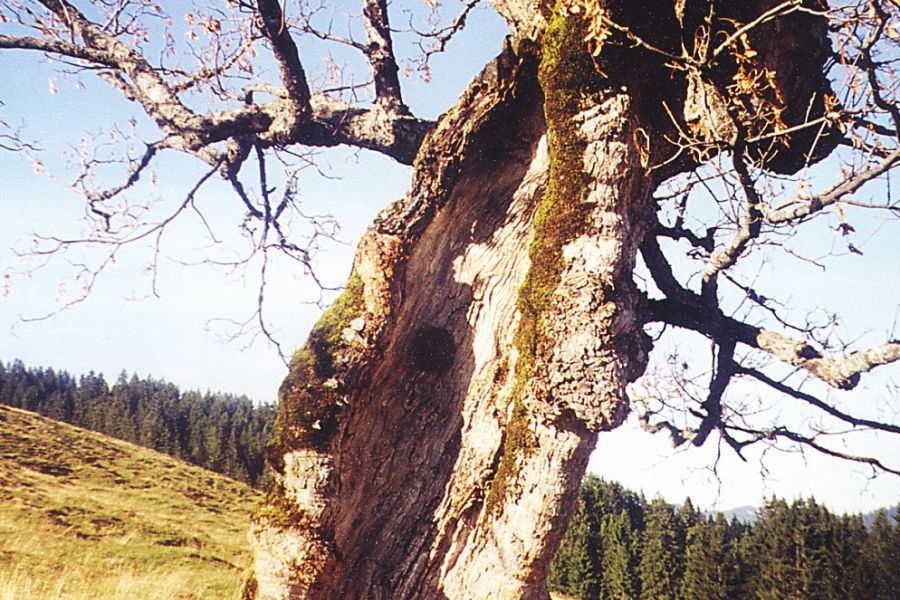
[[620, 546], [221, 432]]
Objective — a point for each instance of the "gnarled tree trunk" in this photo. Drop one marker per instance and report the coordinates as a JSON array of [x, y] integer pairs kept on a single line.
[[435, 429], [464, 431]]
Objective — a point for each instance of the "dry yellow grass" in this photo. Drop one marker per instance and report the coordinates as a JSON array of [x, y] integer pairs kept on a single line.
[[83, 516]]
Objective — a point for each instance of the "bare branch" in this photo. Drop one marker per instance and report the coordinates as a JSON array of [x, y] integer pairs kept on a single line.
[[812, 400], [89, 275], [804, 440], [335, 122], [814, 204], [185, 129], [725, 369], [868, 63], [293, 76], [727, 255], [678, 436], [380, 52], [780, 10], [134, 174], [293, 116], [441, 37], [661, 271], [56, 47], [681, 233]]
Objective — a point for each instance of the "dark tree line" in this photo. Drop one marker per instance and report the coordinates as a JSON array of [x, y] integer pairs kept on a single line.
[[620, 546], [221, 432]]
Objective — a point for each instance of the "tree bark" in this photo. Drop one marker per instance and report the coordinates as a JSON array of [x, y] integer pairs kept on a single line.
[[435, 430]]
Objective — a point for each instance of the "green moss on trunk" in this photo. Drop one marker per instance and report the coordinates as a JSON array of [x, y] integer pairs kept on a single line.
[[570, 82], [311, 396], [346, 307], [276, 510], [516, 441]]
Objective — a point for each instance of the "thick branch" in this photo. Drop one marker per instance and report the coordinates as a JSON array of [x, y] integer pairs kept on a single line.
[[842, 373], [679, 232], [156, 97], [56, 47], [725, 368], [661, 271], [330, 122], [335, 122], [675, 434], [185, 129], [726, 256]]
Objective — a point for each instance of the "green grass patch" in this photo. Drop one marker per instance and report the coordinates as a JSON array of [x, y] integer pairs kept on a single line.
[[84, 516]]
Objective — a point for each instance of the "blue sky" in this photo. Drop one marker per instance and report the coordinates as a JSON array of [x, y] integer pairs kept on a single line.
[[177, 336]]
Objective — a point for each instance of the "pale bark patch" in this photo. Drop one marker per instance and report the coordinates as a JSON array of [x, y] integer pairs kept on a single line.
[[276, 551], [590, 365]]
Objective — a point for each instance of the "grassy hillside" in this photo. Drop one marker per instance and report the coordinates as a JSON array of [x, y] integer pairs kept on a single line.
[[83, 516]]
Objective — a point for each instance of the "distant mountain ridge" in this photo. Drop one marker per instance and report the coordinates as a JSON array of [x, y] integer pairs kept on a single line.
[[748, 514], [745, 514], [891, 513]]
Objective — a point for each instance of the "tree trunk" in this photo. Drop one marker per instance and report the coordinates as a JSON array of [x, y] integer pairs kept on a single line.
[[434, 431]]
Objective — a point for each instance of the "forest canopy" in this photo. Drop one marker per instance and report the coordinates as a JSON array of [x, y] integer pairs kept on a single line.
[[620, 545]]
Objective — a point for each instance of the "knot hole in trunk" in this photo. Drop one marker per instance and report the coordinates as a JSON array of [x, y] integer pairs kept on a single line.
[[431, 349]]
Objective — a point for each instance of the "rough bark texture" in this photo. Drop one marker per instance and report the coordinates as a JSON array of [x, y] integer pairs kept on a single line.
[[434, 430], [487, 453]]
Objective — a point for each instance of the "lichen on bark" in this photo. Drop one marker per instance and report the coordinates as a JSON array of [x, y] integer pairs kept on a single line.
[[277, 510]]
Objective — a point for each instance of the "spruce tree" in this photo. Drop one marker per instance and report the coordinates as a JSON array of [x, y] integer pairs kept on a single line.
[[846, 569], [712, 570], [659, 561], [769, 549], [881, 557], [619, 580], [574, 570]]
